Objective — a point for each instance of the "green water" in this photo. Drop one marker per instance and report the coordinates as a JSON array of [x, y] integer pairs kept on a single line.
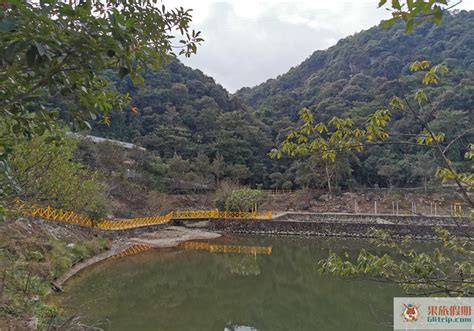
[[181, 289]]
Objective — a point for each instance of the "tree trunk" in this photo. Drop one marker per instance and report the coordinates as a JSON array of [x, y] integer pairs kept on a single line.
[[328, 177]]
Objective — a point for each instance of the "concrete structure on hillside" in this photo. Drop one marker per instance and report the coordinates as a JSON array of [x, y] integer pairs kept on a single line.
[[102, 140]]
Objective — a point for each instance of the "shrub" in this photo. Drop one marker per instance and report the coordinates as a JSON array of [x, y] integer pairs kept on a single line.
[[245, 199]]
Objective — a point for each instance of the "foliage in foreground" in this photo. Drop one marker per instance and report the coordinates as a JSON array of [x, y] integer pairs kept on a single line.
[[57, 49], [415, 13], [445, 270]]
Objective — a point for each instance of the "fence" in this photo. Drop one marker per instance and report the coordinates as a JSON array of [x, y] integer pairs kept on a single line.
[[424, 208], [71, 217]]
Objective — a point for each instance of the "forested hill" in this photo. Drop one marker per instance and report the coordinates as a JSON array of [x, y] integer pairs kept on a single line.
[[196, 130], [201, 134], [363, 69]]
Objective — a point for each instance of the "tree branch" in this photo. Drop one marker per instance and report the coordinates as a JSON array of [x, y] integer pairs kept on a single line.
[[457, 139]]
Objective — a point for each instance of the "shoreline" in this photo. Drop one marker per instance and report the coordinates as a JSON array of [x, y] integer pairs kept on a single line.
[[289, 223], [169, 237]]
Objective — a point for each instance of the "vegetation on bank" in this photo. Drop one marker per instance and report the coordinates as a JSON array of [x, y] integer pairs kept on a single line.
[[30, 260]]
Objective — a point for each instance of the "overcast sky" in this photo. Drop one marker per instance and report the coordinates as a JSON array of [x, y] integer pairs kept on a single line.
[[248, 42]]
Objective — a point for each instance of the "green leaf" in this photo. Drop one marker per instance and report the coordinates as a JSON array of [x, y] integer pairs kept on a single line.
[[409, 26], [396, 4], [388, 23]]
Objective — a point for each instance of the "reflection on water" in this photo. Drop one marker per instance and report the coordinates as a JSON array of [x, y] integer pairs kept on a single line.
[[244, 265], [239, 328], [186, 289], [132, 250], [215, 248]]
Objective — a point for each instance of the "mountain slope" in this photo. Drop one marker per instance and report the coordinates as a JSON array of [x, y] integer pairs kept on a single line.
[[361, 73], [366, 64]]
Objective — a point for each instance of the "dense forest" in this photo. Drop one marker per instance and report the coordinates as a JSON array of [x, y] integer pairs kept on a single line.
[[197, 134]]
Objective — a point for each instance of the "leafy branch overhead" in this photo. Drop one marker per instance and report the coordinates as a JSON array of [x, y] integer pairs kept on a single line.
[[337, 135], [53, 48], [446, 270], [416, 12]]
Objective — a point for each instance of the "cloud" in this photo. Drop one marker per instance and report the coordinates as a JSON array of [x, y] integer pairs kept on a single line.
[[248, 42]]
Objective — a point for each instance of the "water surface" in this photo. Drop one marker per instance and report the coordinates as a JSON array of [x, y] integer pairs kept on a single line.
[[185, 289]]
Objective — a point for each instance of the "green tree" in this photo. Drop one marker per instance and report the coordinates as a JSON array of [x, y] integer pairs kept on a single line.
[[238, 172], [217, 169], [390, 172], [46, 174], [244, 199], [447, 270], [57, 49], [327, 140]]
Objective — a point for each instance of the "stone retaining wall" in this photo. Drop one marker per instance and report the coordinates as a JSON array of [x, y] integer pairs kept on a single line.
[[373, 218], [320, 228]]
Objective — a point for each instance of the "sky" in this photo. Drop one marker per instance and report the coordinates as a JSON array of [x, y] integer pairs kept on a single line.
[[248, 42]]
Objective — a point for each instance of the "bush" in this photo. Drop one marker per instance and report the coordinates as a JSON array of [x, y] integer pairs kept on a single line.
[[245, 199], [223, 193]]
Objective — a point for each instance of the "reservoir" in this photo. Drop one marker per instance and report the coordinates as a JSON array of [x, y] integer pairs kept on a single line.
[[274, 286]]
